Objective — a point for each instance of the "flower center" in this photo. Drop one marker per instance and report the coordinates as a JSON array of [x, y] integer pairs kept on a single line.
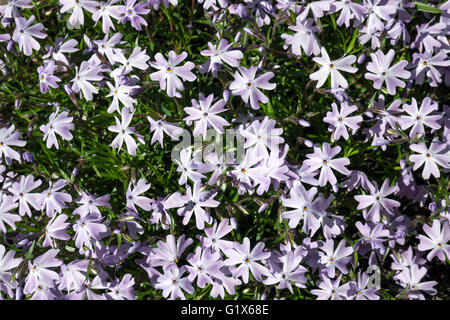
[[247, 260], [418, 118], [78, 78], [331, 259], [200, 269], [249, 84], [205, 114], [174, 281], [384, 73], [123, 131], [440, 244], [50, 126], [82, 224], [414, 287], [22, 31], [425, 63], [331, 66], [129, 11], [169, 69], [21, 195], [340, 119], [325, 161], [428, 155], [243, 170], [334, 290], [48, 194], [305, 208], [283, 276]]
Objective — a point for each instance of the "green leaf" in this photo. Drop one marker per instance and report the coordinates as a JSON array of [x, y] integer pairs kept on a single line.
[[427, 8], [352, 42]]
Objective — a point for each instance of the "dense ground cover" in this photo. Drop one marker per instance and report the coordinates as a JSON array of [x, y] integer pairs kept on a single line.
[[341, 190]]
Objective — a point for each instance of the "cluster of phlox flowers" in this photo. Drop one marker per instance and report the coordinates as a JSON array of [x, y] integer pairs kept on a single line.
[[334, 219]]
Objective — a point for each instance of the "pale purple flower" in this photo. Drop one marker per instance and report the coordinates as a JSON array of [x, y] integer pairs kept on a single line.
[[249, 172], [54, 201], [204, 115], [405, 259], [187, 167], [331, 289], [10, 138], [224, 283], [106, 46], [305, 207], [90, 203], [59, 48], [106, 11], [380, 71], [339, 120], [6, 206], [160, 127], [167, 254], [417, 118], [46, 77], [425, 64], [204, 265], [59, 124], [168, 74], [303, 38], [360, 289], [122, 290], [87, 287], [195, 200], [76, 7], [287, 270], [73, 275], [427, 36], [134, 197], [215, 164], [25, 33], [317, 8], [276, 172], [215, 234], [323, 158], [411, 280], [438, 236], [247, 260], [120, 92], [329, 67], [7, 264], [124, 132], [378, 201], [372, 35], [436, 154], [335, 258], [349, 10], [172, 283], [262, 137], [220, 54], [88, 230], [22, 192], [137, 59], [379, 12], [87, 72], [11, 9], [39, 271], [56, 229], [373, 236], [247, 85], [131, 12]]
